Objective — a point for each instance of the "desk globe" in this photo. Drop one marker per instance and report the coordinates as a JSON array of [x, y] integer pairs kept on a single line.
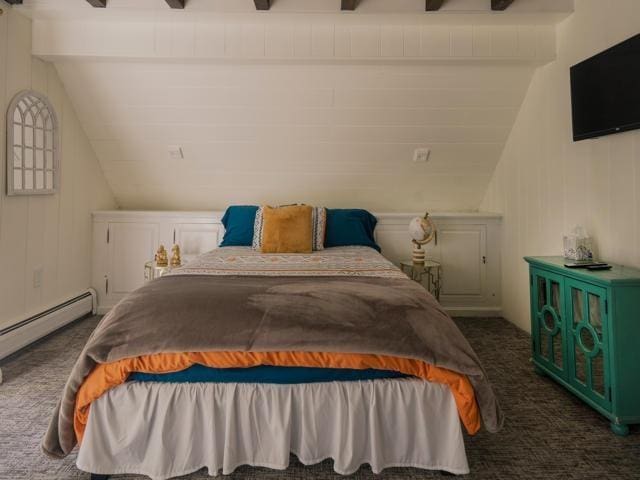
[[422, 230]]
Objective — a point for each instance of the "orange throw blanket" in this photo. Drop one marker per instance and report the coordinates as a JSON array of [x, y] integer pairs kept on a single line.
[[108, 375]]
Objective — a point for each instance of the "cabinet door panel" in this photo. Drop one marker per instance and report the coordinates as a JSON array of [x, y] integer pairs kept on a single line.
[[587, 340], [462, 253], [196, 238], [547, 305], [130, 246], [396, 245]]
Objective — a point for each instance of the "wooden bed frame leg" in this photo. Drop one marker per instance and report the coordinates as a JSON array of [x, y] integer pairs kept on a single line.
[[99, 476]]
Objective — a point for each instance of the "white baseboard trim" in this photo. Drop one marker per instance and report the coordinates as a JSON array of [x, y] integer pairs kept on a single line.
[[474, 311], [103, 310], [28, 330]]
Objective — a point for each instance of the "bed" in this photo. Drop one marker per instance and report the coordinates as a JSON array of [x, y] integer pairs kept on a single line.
[[241, 358]]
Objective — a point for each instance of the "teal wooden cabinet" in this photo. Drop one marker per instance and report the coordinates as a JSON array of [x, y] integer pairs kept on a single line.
[[585, 334]]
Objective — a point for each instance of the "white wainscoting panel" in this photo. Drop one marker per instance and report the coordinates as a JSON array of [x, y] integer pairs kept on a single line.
[[466, 245]]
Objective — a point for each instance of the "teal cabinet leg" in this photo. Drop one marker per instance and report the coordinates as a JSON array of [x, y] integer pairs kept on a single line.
[[620, 429], [539, 371]]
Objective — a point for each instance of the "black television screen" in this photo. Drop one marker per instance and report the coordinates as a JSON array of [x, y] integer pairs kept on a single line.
[[605, 91]]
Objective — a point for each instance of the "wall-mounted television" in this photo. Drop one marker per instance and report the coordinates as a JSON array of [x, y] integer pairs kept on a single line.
[[605, 91]]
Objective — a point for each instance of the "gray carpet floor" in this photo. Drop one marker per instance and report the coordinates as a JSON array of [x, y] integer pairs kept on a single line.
[[548, 433]]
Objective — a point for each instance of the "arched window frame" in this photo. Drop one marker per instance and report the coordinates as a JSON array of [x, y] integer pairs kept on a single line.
[[33, 163]]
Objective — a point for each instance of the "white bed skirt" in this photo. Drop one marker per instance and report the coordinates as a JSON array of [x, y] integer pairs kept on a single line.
[[164, 430]]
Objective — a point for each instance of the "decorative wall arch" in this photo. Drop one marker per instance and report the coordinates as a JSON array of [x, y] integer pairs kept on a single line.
[[33, 163]]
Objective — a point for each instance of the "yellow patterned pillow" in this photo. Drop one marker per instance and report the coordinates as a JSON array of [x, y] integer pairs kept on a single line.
[[286, 229]]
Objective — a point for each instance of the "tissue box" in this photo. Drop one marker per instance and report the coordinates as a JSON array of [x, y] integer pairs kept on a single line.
[[577, 248]]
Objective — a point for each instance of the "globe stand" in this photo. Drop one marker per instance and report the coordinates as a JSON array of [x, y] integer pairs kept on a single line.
[[418, 254]]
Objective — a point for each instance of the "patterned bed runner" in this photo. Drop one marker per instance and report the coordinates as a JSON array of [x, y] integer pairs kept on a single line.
[[337, 261]]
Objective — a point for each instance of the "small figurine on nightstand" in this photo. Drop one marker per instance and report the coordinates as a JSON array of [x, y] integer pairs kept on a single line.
[[162, 259], [175, 256]]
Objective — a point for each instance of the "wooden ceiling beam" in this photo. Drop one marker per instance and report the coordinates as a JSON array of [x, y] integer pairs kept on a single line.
[[14, 2], [176, 3], [348, 5], [98, 3], [499, 5], [433, 5], [262, 4]]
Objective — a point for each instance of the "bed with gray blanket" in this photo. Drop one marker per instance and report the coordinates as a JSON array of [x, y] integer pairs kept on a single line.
[[344, 307]]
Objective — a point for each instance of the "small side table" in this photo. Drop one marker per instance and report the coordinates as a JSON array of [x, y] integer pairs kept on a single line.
[[431, 271], [151, 271]]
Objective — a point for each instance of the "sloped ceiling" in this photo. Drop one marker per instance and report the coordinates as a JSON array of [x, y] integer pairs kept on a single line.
[[334, 135], [295, 109]]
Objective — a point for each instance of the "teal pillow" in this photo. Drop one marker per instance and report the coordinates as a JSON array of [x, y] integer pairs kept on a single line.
[[238, 223], [350, 226]]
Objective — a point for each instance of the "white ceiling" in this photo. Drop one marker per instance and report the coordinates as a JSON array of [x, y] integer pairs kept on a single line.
[[280, 108], [539, 10]]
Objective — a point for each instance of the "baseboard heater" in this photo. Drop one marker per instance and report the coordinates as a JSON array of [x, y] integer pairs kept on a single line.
[[22, 333]]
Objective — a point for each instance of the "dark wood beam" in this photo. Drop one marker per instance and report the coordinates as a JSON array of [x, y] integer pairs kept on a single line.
[[176, 3], [262, 4], [98, 3], [348, 5], [499, 5], [14, 2], [433, 5]]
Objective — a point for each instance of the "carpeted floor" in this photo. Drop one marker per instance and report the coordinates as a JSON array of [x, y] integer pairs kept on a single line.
[[548, 434]]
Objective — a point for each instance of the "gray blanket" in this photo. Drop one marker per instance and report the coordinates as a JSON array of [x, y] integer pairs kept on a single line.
[[382, 316]]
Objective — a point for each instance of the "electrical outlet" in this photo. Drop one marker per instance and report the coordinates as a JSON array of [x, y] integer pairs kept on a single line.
[[421, 155], [37, 277]]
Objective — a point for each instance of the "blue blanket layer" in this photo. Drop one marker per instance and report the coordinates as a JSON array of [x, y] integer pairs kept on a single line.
[[265, 374]]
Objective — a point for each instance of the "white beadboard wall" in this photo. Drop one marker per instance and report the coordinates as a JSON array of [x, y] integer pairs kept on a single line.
[[293, 37], [278, 108], [334, 135], [50, 232], [545, 183]]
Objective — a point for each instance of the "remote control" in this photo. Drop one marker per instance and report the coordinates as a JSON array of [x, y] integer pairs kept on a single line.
[[584, 264], [599, 267]]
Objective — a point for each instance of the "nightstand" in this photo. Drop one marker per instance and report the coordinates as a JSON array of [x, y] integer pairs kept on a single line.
[[151, 271], [428, 275]]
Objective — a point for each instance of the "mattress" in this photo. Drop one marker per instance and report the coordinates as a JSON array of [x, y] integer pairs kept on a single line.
[[219, 426]]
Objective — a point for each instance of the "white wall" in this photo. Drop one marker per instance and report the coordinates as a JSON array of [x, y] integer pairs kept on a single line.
[[51, 232], [545, 183], [280, 108], [334, 135]]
